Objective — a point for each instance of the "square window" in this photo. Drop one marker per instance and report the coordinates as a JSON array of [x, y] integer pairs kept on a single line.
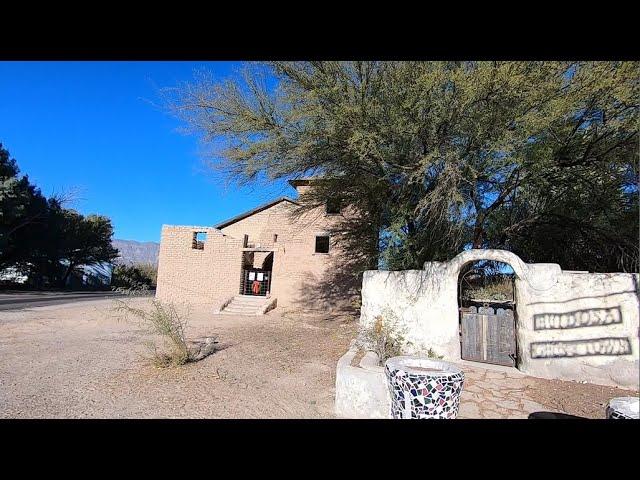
[[333, 206], [199, 238], [322, 244]]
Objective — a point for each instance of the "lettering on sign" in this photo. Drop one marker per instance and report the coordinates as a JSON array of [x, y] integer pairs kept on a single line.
[[580, 318], [581, 348]]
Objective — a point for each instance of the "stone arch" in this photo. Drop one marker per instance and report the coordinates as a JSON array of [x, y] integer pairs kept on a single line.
[[538, 276], [504, 256]]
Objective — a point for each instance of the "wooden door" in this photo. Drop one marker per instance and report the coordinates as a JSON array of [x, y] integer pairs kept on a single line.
[[488, 336]]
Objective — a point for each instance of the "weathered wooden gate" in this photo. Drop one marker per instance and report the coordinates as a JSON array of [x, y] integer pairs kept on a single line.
[[488, 335]]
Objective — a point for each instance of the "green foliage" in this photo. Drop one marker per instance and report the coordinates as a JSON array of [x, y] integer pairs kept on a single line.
[[40, 237], [22, 208], [536, 157], [134, 276], [432, 354], [383, 337], [497, 291]]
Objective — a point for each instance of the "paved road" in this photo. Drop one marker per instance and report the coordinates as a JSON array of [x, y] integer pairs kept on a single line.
[[20, 300]]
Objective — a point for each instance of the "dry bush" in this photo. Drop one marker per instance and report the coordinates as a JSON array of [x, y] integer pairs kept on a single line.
[[432, 354], [164, 320], [498, 290], [383, 337], [386, 338]]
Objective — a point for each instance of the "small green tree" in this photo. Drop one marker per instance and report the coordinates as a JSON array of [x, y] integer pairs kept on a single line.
[[134, 276], [84, 241]]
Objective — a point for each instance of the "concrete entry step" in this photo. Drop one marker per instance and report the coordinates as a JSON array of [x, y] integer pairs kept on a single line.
[[250, 298], [246, 305]]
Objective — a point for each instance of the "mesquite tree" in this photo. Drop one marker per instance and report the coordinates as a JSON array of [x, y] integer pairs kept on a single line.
[[537, 157]]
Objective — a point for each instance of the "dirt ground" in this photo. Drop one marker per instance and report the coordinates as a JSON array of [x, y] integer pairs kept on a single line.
[[583, 400], [80, 361]]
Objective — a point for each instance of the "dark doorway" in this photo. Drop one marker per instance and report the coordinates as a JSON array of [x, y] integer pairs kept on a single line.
[[486, 301]]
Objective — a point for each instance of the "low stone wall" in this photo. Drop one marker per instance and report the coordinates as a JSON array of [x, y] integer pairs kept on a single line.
[[569, 325], [361, 392]]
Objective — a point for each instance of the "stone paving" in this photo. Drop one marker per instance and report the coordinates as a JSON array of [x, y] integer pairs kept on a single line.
[[496, 393]]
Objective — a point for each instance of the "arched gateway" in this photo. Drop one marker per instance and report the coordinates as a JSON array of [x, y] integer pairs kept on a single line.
[[568, 324], [487, 312]]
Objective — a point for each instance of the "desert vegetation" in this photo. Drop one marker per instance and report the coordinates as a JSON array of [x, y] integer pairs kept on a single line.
[[42, 239], [386, 339], [134, 277], [539, 158], [166, 324], [383, 337]]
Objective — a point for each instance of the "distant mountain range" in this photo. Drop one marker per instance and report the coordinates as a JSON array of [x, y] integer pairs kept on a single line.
[[136, 252]]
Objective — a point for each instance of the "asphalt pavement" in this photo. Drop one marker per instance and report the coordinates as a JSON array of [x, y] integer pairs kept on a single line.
[[17, 300]]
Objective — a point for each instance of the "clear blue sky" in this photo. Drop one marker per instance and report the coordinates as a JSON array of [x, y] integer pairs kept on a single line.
[[89, 127]]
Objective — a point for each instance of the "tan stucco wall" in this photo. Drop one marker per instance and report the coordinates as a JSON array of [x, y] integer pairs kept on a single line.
[[188, 275], [426, 305], [212, 275], [297, 269]]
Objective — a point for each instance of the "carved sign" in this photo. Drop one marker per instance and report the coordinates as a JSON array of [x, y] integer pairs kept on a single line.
[[581, 348], [579, 318]]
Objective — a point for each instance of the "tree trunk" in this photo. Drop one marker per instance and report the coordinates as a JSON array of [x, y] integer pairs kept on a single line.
[[63, 280], [478, 235]]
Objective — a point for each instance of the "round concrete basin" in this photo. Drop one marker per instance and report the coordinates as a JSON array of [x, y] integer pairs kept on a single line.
[[423, 388]]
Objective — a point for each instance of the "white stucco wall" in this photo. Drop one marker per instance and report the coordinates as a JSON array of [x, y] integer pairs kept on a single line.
[[597, 314], [361, 391]]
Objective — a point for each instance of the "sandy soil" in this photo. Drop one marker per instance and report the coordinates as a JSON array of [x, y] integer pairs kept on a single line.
[[582, 400], [80, 361]]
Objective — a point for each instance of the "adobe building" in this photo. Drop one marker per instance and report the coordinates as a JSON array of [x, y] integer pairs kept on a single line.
[[271, 255]]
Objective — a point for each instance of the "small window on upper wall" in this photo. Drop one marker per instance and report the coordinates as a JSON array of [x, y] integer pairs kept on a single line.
[[199, 238], [333, 206], [322, 243]]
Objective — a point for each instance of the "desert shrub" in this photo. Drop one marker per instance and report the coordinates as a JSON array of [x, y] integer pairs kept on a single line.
[[149, 271], [165, 321], [497, 290], [386, 338], [356, 303], [432, 354], [134, 276], [383, 337]]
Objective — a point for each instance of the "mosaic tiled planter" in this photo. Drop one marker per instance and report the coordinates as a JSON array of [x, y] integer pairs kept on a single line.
[[626, 408], [423, 388]]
